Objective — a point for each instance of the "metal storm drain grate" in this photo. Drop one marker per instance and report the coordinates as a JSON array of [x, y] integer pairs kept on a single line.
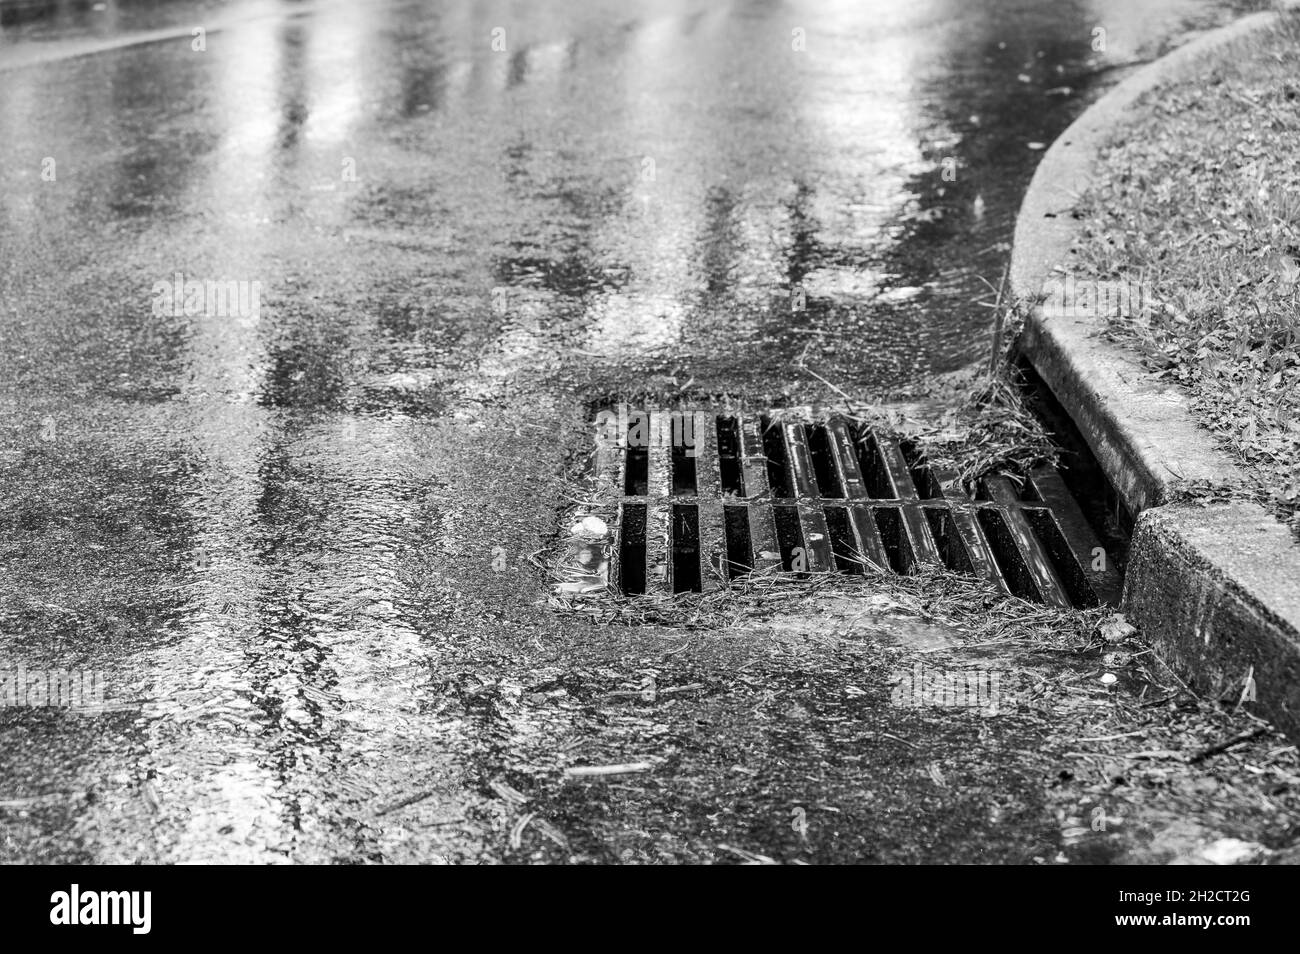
[[687, 500]]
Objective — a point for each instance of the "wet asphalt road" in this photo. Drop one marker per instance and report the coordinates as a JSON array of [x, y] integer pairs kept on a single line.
[[274, 533]]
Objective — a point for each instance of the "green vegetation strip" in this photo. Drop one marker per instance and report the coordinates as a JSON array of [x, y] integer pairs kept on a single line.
[[1196, 213]]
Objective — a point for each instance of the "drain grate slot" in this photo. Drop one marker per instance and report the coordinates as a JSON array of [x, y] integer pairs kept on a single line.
[[683, 471], [789, 538], [636, 473], [740, 555], [824, 469], [1046, 582], [897, 552], [952, 546], [778, 480], [923, 478], [1009, 560], [1071, 574], [874, 472], [707, 498], [686, 549], [844, 544], [730, 465], [1085, 550], [631, 549]]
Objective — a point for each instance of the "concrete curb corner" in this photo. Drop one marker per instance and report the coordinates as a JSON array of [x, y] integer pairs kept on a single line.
[[1203, 584]]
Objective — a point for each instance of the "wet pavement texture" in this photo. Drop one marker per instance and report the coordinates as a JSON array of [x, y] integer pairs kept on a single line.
[[301, 541]]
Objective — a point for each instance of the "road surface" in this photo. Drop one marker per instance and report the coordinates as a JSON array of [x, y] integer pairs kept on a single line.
[[271, 521]]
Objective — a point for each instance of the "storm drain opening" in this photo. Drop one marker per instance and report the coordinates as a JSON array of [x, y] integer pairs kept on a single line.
[[739, 556], [1009, 560], [631, 549], [890, 526], [730, 466], [683, 470], [828, 482], [952, 550], [848, 559], [774, 452], [697, 499], [790, 538], [1073, 576], [686, 549], [923, 478], [636, 471]]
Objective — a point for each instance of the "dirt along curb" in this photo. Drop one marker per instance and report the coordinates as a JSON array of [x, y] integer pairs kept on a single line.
[[1215, 587]]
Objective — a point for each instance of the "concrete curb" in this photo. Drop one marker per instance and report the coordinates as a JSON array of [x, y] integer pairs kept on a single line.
[[1216, 588], [1203, 583]]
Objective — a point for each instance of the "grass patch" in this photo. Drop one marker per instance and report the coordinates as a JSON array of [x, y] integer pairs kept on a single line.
[[1198, 201]]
